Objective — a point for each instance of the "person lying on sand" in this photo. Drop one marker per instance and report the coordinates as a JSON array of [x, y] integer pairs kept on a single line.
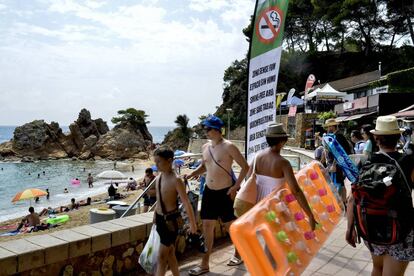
[[85, 203], [49, 211], [73, 205]]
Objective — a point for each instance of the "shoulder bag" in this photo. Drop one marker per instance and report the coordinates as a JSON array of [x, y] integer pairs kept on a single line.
[[231, 173], [246, 197]]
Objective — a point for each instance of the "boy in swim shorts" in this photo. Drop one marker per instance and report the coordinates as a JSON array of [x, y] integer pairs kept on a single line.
[[167, 216]]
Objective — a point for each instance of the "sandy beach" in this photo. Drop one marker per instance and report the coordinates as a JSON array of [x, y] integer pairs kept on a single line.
[[80, 216]]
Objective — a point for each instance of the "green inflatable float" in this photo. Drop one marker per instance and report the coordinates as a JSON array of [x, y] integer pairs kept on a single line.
[[58, 219]]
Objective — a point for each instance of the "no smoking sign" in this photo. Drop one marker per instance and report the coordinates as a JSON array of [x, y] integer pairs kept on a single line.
[[269, 24]]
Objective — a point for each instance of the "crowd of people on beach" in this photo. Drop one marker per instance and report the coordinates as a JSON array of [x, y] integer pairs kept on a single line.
[[31, 222], [223, 194]]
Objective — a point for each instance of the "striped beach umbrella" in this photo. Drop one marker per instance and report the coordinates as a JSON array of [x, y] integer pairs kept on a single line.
[[28, 194]]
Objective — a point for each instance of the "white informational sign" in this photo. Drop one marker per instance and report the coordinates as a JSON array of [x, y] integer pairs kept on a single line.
[[262, 98], [265, 53]]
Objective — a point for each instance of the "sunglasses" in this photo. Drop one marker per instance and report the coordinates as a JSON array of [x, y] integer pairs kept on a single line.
[[208, 129]]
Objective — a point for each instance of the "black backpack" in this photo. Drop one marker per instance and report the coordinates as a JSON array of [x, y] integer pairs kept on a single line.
[[383, 207]]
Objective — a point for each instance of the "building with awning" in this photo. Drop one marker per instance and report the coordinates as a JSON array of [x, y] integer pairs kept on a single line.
[[406, 113], [360, 98], [374, 105]]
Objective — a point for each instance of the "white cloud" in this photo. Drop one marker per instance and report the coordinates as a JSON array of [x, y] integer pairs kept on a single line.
[[108, 58], [205, 5], [95, 4]]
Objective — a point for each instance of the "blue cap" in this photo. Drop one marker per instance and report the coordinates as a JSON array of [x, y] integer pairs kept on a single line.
[[213, 122]]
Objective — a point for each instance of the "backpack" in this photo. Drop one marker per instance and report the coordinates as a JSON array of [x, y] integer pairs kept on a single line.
[[383, 205]]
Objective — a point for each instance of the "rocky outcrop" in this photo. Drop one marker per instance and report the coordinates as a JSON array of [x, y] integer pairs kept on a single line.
[[77, 136], [120, 143], [101, 126], [175, 139], [86, 125], [69, 145], [38, 139], [6, 150], [90, 142], [87, 139]]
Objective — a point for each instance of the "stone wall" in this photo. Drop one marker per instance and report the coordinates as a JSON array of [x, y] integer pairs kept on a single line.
[[302, 122], [101, 249]]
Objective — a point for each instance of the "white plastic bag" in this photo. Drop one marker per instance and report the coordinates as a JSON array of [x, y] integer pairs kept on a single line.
[[149, 255]]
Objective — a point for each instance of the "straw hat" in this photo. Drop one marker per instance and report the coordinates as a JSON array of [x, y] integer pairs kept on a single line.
[[331, 122], [386, 125], [275, 130]]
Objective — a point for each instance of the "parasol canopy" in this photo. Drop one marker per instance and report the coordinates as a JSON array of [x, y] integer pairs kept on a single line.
[[111, 175], [28, 194]]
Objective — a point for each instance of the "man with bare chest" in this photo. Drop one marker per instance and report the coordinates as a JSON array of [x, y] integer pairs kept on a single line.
[[221, 187]]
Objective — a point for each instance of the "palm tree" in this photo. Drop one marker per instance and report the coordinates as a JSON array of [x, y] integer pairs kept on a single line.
[[182, 123]]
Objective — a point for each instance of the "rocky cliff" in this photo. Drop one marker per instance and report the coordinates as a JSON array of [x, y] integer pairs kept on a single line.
[[87, 139]]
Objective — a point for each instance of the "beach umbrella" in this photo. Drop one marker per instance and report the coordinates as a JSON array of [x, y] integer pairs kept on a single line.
[[28, 194], [179, 152], [111, 175]]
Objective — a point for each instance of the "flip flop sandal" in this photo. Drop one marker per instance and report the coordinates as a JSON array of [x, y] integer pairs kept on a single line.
[[234, 261], [198, 271]]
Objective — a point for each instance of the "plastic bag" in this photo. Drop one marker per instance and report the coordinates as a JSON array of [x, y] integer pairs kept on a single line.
[[149, 255]]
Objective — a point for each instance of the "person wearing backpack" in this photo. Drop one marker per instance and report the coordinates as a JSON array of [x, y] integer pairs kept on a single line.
[[380, 209], [335, 171]]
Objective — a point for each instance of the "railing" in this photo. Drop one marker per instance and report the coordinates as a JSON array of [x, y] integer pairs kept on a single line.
[[139, 197], [292, 156]]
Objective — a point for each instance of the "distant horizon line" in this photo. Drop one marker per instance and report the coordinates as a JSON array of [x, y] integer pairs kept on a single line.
[[68, 126]]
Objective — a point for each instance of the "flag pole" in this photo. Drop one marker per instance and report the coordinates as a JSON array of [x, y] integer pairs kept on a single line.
[[248, 72]]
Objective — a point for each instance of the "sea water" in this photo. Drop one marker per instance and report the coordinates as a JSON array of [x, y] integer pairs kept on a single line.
[[17, 176]]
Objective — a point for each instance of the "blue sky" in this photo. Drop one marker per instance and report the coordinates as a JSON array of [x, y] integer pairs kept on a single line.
[[165, 57]]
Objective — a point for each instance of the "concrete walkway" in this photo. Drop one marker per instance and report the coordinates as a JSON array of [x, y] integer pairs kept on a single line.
[[336, 257]]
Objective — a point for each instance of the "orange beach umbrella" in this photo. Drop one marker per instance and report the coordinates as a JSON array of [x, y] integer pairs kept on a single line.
[[28, 194]]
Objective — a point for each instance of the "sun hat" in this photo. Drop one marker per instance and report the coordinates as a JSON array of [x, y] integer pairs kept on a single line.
[[275, 130], [386, 125], [331, 122], [213, 122]]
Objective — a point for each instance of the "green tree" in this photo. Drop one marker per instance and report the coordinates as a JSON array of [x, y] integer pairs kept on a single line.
[[326, 115], [133, 119], [179, 137], [182, 123], [235, 93], [301, 25], [132, 116], [400, 14], [364, 19]]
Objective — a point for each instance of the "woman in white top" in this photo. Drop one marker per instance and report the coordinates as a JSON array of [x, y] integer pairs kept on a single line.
[[272, 170]]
